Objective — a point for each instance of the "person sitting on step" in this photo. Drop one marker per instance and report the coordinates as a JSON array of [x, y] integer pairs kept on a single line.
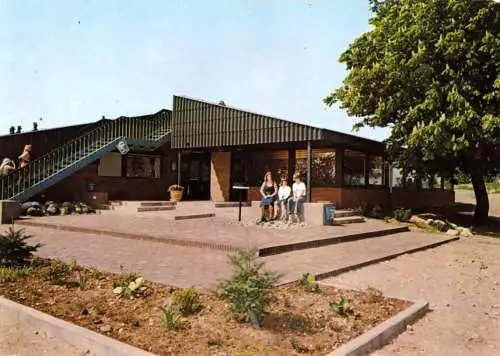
[[268, 190], [284, 193], [298, 196]]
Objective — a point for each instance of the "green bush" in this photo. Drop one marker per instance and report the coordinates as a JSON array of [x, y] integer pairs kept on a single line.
[[249, 288], [10, 274], [59, 270], [186, 301], [402, 214], [14, 250], [377, 212], [309, 282]]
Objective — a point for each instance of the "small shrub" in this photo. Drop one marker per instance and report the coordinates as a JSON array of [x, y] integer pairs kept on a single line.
[[134, 289], [298, 347], [170, 318], [366, 209], [341, 307], [402, 214], [124, 279], [377, 212], [309, 282], [14, 250], [249, 288], [10, 274], [58, 271], [186, 301], [82, 278]]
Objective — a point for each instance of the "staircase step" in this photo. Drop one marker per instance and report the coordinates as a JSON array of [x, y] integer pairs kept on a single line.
[[348, 220], [332, 260], [142, 209], [158, 203], [345, 213]]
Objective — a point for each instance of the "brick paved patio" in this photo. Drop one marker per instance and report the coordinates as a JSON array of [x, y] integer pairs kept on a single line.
[[184, 266], [207, 232]]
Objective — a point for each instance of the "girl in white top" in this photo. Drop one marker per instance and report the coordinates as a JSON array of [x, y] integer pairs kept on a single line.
[[284, 193]]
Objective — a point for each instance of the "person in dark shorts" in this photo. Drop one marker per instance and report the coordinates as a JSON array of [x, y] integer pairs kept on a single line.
[[268, 190]]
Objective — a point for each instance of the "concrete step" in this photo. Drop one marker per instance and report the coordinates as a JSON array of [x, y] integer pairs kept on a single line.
[[230, 204], [332, 260], [143, 209], [335, 238], [346, 213], [158, 203], [348, 220]]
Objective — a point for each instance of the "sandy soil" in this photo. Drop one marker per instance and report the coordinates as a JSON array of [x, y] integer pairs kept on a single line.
[[461, 281], [19, 339]]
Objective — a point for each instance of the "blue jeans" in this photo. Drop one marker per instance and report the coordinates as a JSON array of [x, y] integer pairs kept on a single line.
[[294, 207]]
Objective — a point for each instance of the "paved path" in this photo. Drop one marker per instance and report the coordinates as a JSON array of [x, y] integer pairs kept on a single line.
[[20, 339], [461, 281], [212, 230]]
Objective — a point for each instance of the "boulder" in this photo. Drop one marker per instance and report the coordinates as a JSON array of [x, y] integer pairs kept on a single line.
[[452, 232], [463, 231], [29, 204]]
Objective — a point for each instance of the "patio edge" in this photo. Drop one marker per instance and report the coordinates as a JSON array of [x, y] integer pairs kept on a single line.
[[73, 334], [383, 333]]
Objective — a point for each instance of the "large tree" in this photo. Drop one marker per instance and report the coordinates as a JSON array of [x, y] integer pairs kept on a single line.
[[430, 70]]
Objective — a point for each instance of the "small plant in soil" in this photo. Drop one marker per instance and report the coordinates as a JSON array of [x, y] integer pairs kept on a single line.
[[58, 271], [309, 282], [14, 249], [249, 288], [134, 289], [298, 347], [10, 274], [186, 301], [402, 215], [171, 320], [341, 307], [81, 278], [124, 279]]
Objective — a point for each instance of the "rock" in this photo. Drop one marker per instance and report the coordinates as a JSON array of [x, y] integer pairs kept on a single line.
[[452, 232], [466, 232], [105, 328]]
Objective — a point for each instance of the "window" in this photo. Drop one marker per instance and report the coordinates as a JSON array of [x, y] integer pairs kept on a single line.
[[397, 177], [274, 161], [110, 165], [354, 168], [323, 171], [142, 166], [376, 170]]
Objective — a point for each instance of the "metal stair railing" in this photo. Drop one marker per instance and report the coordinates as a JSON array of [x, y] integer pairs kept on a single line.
[[59, 159]]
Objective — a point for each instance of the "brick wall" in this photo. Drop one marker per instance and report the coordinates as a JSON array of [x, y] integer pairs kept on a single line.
[[220, 176]]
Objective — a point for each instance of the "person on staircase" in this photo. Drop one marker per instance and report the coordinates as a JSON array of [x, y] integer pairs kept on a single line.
[[25, 157], [8, 166], [268, 190]]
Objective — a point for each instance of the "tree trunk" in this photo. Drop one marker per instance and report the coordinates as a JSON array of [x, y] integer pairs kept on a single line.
[[482, 202]]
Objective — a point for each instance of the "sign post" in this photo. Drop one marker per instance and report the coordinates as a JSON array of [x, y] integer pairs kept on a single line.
[[240, 187]]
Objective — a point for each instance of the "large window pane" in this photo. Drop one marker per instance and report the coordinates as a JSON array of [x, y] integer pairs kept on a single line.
[[397, 177], [275, 162], [323, 171], [354, 168], [376, 170], [143, 166]]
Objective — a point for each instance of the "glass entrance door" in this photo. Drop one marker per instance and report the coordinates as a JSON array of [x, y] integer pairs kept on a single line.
[[240, 167], [195, 175]]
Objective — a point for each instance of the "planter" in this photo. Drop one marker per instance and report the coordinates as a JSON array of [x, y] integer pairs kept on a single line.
[[175, 195]]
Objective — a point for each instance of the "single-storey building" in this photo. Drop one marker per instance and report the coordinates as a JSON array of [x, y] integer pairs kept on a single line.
[[207, 148]]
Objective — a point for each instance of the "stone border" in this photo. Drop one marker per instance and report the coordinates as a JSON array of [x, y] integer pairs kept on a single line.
[[383, 333], [76, 335]]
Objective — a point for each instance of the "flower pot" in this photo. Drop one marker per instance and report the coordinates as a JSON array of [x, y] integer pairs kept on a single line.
[[175, 195]]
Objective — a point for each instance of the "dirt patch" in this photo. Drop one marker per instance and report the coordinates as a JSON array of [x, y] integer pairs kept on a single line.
[[298, 322]]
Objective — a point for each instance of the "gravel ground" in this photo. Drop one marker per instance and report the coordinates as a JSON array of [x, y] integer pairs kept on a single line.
[[19, 339], [461, 281]]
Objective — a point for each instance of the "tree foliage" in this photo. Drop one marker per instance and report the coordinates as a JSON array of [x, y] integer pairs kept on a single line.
[[430, 70]]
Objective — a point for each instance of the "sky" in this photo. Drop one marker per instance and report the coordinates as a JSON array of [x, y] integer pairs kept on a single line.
[[72, 61]]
